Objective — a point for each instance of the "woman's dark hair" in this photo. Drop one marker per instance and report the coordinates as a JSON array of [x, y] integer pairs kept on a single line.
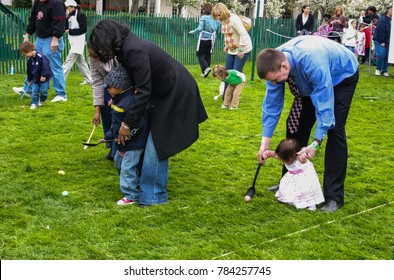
[[287, 150], [106, 39], [303, 8], [206, 9], [372, 9]]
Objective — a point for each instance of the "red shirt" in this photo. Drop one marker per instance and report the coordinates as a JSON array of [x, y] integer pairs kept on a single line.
[[367, 32]]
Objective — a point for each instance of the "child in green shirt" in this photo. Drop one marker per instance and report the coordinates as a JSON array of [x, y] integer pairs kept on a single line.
[[236, 81]]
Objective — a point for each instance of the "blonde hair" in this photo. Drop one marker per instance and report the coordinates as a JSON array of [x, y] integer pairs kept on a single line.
[[220, 72], [224, 11], [339, 8]]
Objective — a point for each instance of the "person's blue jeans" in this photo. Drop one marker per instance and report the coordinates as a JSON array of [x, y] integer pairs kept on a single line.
[[58, 81], [39, 92], [382, 57], [106, 120], [154, 176], [352, 49], [233, 62], [128, 172]]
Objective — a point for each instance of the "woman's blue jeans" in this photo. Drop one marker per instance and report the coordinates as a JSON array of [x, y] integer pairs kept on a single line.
[[154, 176], [106, 120]]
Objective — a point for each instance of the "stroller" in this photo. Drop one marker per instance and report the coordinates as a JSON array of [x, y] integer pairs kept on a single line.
[[303, 32]]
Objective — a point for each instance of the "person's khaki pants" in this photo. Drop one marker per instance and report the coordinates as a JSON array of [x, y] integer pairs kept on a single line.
[[232, 95]]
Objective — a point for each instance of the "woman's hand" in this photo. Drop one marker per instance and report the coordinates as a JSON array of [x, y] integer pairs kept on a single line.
[[96, 117], [240, 55]]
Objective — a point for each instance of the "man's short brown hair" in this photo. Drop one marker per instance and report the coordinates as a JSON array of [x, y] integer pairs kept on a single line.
[[269, 60]]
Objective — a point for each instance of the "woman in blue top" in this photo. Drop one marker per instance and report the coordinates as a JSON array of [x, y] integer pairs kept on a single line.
[[207, 28]]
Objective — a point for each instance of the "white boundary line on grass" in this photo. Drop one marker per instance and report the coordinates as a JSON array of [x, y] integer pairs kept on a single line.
[[312, 227], [329, 222]]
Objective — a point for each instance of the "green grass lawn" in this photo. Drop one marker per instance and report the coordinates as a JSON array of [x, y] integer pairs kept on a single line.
[[206, 217]]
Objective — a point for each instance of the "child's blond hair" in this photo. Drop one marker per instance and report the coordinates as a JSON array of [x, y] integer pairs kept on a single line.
[[220, 72]]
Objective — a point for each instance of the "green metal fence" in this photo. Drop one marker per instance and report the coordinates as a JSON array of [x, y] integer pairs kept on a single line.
[[170, 33]]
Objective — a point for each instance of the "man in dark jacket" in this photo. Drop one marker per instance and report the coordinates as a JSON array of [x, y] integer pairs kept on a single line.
[[48, 21], [160, 80], [382, 42]]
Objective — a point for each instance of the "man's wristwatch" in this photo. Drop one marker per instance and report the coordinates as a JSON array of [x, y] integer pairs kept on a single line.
[[318, 141]]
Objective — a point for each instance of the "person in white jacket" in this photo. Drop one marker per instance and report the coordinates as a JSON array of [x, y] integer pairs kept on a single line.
[[350, 36], [76, 28]]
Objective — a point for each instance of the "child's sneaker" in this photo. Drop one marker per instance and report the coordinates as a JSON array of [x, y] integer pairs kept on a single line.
[[233, 108], [41, 103], [33, 106], [224, 107], [125, 201]]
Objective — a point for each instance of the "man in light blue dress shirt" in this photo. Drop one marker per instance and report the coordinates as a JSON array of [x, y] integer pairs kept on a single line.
[[326, 74]]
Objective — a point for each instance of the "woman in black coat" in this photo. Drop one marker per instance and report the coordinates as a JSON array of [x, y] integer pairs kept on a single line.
[[305, 21], [171, 91]]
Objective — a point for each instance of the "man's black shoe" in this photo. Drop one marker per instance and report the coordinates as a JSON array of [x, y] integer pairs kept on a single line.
[[331, 206], [274, 188]]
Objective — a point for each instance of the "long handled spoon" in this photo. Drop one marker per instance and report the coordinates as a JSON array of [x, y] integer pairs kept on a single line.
[[90, 137], [100, 142]]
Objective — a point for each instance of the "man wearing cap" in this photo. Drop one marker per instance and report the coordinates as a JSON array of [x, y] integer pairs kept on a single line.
[[76, 27]]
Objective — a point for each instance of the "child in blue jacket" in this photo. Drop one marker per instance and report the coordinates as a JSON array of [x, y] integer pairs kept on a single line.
[[127, 156], [39, 73]]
